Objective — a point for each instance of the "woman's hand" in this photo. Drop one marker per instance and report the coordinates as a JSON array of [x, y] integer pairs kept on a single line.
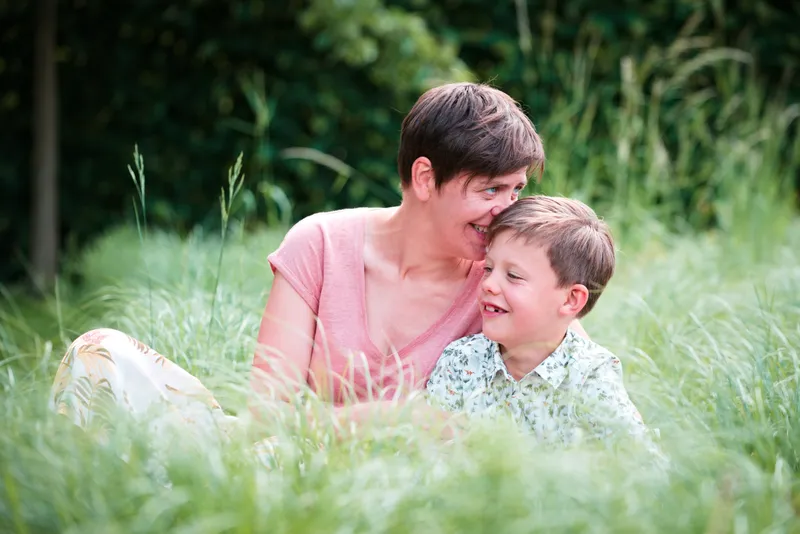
[[416, 410]]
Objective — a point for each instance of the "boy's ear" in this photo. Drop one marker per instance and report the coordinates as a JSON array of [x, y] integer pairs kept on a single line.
[[576, 297], [423, 179]]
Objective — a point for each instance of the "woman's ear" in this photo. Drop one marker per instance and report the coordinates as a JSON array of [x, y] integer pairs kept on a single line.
[[423, 179], [576, 297]]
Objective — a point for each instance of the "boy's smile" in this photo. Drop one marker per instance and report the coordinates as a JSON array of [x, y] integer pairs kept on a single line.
[[491, 310]]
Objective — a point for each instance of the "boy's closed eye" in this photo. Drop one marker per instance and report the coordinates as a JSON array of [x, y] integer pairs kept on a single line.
[[487, 270]]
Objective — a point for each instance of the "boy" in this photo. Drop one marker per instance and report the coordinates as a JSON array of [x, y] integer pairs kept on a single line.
[[548, 260]]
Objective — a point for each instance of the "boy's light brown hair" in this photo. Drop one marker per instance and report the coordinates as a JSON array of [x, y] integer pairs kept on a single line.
[[468, 127], [579, 244]]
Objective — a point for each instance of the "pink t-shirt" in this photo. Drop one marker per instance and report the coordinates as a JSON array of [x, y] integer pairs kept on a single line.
[[322, 258]]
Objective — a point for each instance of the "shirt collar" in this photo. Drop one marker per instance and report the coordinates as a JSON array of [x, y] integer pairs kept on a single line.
[[553, 369]]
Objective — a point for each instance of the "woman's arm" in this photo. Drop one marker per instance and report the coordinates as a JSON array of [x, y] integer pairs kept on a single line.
[[285, 342], [283, 354]]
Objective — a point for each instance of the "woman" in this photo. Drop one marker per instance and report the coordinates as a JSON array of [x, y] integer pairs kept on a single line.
[[363, 301]]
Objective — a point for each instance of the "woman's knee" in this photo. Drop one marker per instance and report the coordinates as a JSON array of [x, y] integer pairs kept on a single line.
[[98, 335], [109, 344]]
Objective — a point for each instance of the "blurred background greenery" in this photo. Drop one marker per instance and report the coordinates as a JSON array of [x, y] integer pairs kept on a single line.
[[682, 109]]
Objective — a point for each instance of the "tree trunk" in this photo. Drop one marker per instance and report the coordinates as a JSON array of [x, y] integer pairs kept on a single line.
[[45, 227]]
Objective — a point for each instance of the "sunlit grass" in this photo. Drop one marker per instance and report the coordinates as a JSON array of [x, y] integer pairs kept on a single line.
[[710, 354]]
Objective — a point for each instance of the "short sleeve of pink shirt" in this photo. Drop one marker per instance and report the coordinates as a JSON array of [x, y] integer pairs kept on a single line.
[[322, 258], [301, 259]]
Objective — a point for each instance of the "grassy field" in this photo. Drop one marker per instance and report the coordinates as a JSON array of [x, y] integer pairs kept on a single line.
[[706, 326]]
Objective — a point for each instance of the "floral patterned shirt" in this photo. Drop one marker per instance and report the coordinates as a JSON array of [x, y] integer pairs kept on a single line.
[[576, 391]]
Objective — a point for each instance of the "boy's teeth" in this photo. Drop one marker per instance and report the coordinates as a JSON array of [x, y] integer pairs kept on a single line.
[[481, 229]]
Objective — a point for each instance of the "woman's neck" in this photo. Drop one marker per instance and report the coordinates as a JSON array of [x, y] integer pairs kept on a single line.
[[404, 237]]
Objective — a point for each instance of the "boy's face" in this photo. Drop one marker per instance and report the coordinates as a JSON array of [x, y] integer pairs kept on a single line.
[[520, 300]]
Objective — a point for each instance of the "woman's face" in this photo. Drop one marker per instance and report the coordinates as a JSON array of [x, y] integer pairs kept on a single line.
[[464, 214]]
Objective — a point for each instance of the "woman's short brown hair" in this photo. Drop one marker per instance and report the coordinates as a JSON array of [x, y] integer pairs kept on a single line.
[[579, 244], [468, 127]]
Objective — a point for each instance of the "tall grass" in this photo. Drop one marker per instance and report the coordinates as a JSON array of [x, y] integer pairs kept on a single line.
[[710, 354], [690, 138], [235, 181], [140, 183]]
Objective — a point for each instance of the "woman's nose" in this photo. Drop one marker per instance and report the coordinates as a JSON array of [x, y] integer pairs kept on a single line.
[[502, 203]]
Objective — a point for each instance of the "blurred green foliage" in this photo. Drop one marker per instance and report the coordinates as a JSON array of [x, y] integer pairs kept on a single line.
[[313, 93]]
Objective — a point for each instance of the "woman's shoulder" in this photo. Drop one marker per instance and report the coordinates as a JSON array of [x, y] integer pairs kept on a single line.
[[335, 221], [318, 248], [320, 235]]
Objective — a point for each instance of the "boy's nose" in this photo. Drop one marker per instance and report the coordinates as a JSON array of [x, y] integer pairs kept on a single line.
[[488, 286]]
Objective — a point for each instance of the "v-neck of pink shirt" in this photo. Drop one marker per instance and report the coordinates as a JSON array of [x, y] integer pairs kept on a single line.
[[466, 293]]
